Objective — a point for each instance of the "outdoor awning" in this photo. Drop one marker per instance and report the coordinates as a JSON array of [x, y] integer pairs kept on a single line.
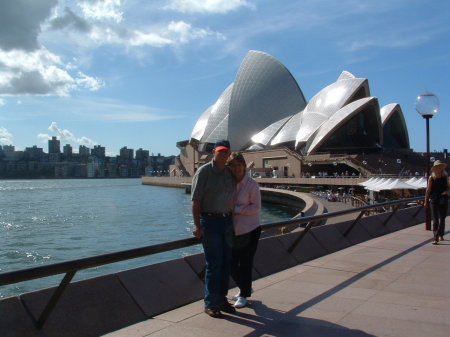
[[418, 182], [394, 184]]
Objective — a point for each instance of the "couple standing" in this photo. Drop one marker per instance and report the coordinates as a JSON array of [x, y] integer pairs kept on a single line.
[[226, 206]]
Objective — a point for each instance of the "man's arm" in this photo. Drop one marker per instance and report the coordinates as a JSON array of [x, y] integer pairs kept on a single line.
[[196, 209]]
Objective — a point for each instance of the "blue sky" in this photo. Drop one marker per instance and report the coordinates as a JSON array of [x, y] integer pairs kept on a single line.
[[139, 73]]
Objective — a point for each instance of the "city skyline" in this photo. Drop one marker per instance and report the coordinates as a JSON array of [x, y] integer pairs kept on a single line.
[[63, 146], [141, 73]]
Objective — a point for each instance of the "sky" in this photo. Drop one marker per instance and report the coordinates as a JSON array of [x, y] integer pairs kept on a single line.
[[139, 73]]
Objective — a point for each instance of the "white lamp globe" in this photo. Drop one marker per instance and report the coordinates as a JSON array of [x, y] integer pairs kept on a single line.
[[427, 104]]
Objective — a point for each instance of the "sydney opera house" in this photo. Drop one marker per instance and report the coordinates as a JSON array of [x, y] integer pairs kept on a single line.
[[265, 115]]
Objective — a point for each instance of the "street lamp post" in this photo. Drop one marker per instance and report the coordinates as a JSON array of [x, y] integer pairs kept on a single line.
[[427, 105]]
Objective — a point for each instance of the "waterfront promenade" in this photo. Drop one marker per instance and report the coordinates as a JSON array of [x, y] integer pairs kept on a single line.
[[393, 285]]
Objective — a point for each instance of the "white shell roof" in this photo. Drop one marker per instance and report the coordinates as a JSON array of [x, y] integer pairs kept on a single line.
[[263, 93], [265, 136], [200, 126], [387, 114], [337, 120], [329, 100], [265, 107], [289, 130]]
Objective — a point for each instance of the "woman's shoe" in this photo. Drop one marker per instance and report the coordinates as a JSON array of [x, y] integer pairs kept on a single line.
[[435, 242], [442, 238], [236, 297], [241, 302]]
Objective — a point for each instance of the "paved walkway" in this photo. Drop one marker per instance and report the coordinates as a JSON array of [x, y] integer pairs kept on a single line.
[[395, 285]]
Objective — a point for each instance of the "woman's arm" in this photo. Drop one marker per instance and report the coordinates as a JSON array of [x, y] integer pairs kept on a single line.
[[253, 200], [428, 191]]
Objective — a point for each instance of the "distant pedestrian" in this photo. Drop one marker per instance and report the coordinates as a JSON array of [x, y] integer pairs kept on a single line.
[[212, 204], [247, 227], [437, 195]]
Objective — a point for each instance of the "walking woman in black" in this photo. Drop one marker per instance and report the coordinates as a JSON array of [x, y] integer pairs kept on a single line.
[[437, 195]]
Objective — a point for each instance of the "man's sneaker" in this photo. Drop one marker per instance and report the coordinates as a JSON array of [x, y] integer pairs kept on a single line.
[[241, 302]]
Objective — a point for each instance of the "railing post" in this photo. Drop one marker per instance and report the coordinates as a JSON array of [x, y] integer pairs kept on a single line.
[[299, 238], [392, 214], [354, 223], [54, 299], [418, 211]]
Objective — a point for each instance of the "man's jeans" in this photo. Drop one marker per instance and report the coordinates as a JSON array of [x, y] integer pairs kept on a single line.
[[217, 239]]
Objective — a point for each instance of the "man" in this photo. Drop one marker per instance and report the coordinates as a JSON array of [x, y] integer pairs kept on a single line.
[[212, 195]]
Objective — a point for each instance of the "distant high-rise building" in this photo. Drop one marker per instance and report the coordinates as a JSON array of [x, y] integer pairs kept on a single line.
[[54, 145], [67, 150], [98, 151], [142, 154], [8, 148], [84, 151], [126, 154], [34, 153]]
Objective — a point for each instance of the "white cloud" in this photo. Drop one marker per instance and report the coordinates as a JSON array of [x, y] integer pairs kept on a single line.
[[5, 136], [40, 73], [43, 137], [67, 136], [30, 32], [150, 39], [207, 6], [102, 10], [2, 102], [90, 83], [172, 34], [183, 32]]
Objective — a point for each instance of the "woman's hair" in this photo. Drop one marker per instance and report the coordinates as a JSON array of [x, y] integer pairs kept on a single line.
[[238, 157], [437, 173]]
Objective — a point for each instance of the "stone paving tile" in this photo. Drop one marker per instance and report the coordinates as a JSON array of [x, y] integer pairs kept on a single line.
[[140, 329], [432, 277], [388, 327], [357, 293], [403, 312], [330, 257], [323, 276], [277, 277], [419, 289], [332, 309], [280, 299], [188, 331], [182, 313], [229, 325], [415, 301]]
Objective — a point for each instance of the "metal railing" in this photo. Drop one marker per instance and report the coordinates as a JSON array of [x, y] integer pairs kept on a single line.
[[69, 268]]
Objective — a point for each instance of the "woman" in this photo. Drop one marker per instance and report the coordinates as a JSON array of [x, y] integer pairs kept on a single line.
[[436, 193], [247, 227]]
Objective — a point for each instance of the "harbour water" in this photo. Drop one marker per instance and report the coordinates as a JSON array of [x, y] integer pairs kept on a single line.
[[49, 221]]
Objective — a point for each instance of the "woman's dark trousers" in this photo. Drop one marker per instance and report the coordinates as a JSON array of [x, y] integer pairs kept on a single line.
[[439, 210], [244, 249]]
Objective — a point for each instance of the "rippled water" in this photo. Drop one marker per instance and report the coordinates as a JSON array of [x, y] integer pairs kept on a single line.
[[49, 221]]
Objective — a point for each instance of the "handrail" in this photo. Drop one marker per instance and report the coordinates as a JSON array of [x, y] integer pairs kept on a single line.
[[72, 266]]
